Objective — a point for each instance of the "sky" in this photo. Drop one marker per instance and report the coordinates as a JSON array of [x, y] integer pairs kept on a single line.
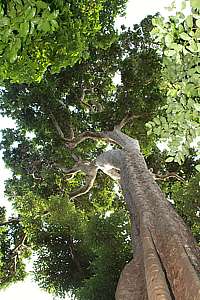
[[136, 11]]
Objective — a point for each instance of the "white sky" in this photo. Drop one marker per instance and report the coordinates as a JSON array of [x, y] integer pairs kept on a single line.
[[136, 11]]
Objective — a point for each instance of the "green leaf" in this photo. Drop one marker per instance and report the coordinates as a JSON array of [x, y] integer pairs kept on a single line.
[[157, 121], [197, 167], [197, 106], [198, 23], [168, 39], [55, 14], [32, 28], [44, 26], [149, 131], [176, 47], [189, 21], [30, 13], [24, 29], [197, 33], [185, 36], [169, 159], [195, 3], [4, 21], [193, 47], [54, 24], [170, 52], [14, 47], [41, 5]]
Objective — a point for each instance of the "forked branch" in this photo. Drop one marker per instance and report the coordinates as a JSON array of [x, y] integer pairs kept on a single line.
[[115, 136], [129, 118], [89, 182], [90, 170]]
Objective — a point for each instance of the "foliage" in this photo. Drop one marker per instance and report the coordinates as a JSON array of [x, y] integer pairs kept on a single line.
[[13, 251], [88, 258], [108, 236], [28, 28], [187, 203], [178, 124]]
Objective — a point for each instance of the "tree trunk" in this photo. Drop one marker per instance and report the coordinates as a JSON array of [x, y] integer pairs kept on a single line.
[[166, 261]]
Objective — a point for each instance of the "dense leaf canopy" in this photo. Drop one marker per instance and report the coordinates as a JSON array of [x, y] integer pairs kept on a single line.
[[36, 34]]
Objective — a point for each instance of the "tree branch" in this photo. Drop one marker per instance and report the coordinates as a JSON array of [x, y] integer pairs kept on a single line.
[[11, 221], [59, 130], [72, 143], [15, 254], [90, 170], [57, 127], [19, 245], [168, 175], [128, 118], [89, 182], [69, 172]]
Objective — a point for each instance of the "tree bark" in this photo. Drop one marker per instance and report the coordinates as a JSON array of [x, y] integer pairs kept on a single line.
[[166, 261]]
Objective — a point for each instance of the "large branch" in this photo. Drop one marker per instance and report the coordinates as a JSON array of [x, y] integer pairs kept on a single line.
[[59, 130], [89, 182], [72, 143], [10, 221], [19, 245], [90, 170], [115, 136]]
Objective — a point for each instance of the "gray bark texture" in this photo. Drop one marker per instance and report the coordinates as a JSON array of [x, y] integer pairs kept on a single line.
[[166, 262]]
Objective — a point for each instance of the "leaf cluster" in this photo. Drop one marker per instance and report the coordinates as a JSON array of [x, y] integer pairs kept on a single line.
[[178, 121]]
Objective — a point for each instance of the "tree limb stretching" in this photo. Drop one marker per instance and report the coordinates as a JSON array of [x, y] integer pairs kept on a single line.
[[90, 170], [168, 175]]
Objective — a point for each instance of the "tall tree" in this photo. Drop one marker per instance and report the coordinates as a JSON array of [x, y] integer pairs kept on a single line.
[[81, 97], [63, 117]]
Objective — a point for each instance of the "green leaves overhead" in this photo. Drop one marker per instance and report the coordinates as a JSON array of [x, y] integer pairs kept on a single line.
[[41, 34], [187, 203], [179, 40]]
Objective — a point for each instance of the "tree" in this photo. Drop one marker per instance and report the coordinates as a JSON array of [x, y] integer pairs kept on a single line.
[[59, 112], [81, 94]]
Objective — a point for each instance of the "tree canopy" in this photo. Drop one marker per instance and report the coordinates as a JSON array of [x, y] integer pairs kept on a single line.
[[64, 88], [36, 35]]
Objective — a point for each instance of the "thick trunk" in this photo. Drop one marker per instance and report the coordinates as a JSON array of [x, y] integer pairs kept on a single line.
[[166, 261]]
